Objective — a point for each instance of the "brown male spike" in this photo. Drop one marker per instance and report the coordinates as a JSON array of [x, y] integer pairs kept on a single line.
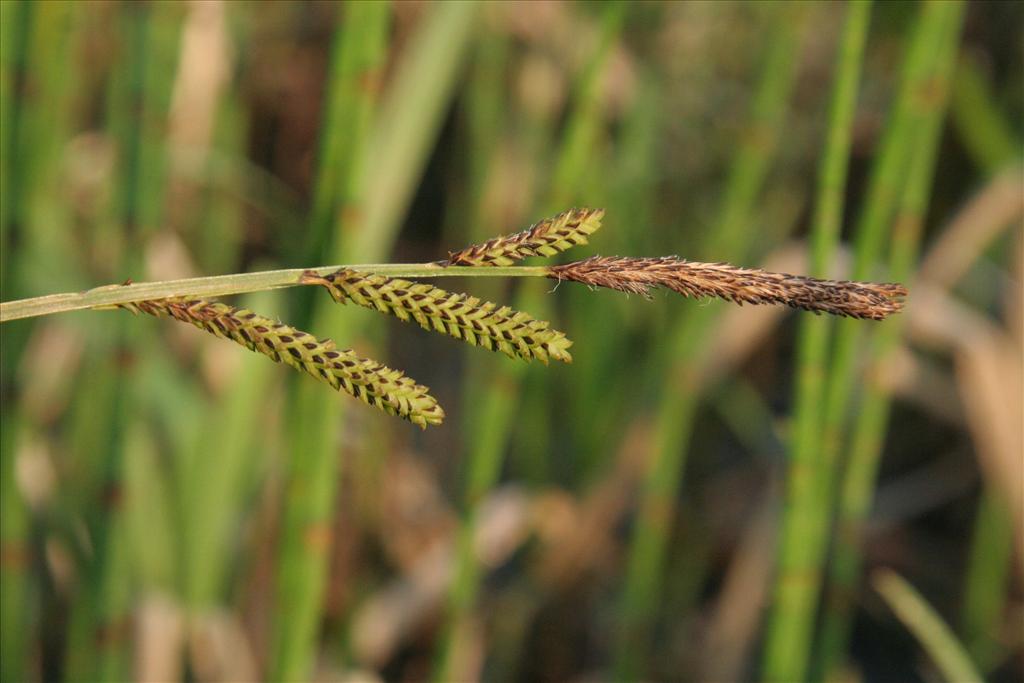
[[544, 238], [866, 300], [514, 333], [369, 381]]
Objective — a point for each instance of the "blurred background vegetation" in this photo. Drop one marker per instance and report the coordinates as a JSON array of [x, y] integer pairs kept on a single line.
[[708, 493]]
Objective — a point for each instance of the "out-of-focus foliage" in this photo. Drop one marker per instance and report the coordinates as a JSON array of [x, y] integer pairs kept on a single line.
[[701, 495]]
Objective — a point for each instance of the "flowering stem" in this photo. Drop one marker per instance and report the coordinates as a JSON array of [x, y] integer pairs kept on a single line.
[[239, 283]]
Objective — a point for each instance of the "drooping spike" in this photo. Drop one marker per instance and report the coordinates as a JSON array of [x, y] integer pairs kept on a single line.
[[371, 382]]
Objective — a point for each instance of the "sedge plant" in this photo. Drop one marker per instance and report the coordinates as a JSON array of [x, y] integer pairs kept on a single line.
[[478, 323]]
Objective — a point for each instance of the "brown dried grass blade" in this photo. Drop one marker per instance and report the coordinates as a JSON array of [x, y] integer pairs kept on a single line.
[[866, 300]]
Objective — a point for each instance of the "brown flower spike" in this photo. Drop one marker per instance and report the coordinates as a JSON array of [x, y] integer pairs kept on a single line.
[[866, 300]]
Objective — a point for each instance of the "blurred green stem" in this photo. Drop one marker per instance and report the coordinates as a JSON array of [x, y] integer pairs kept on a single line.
[[927, 626], [16, 585], [392, 140], [939, 30], [884, 187], [987, 136], [496, 408], [805, 524], [988, 578], [680, 397]]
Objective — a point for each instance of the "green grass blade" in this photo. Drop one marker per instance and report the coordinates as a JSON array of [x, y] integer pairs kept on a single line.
[[806, 521], [601, 393], [941, 28], [680, 395], [986, 593], [986, 134], [212, 490], [486, 117], [39, 62], [15, 581], [138, 105], [379, 190], [16, 585], [15, 18], [357, 62], [494, 414], [885, 185], [927, 626], [302, 565], [410, 118], [148, 518]]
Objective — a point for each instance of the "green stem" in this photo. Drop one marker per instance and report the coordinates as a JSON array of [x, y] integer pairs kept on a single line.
[[804, 534], [987, 579], [392, 137], [689, 342], [936, 48], [491, 423], [931, 631], [239, 283]]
